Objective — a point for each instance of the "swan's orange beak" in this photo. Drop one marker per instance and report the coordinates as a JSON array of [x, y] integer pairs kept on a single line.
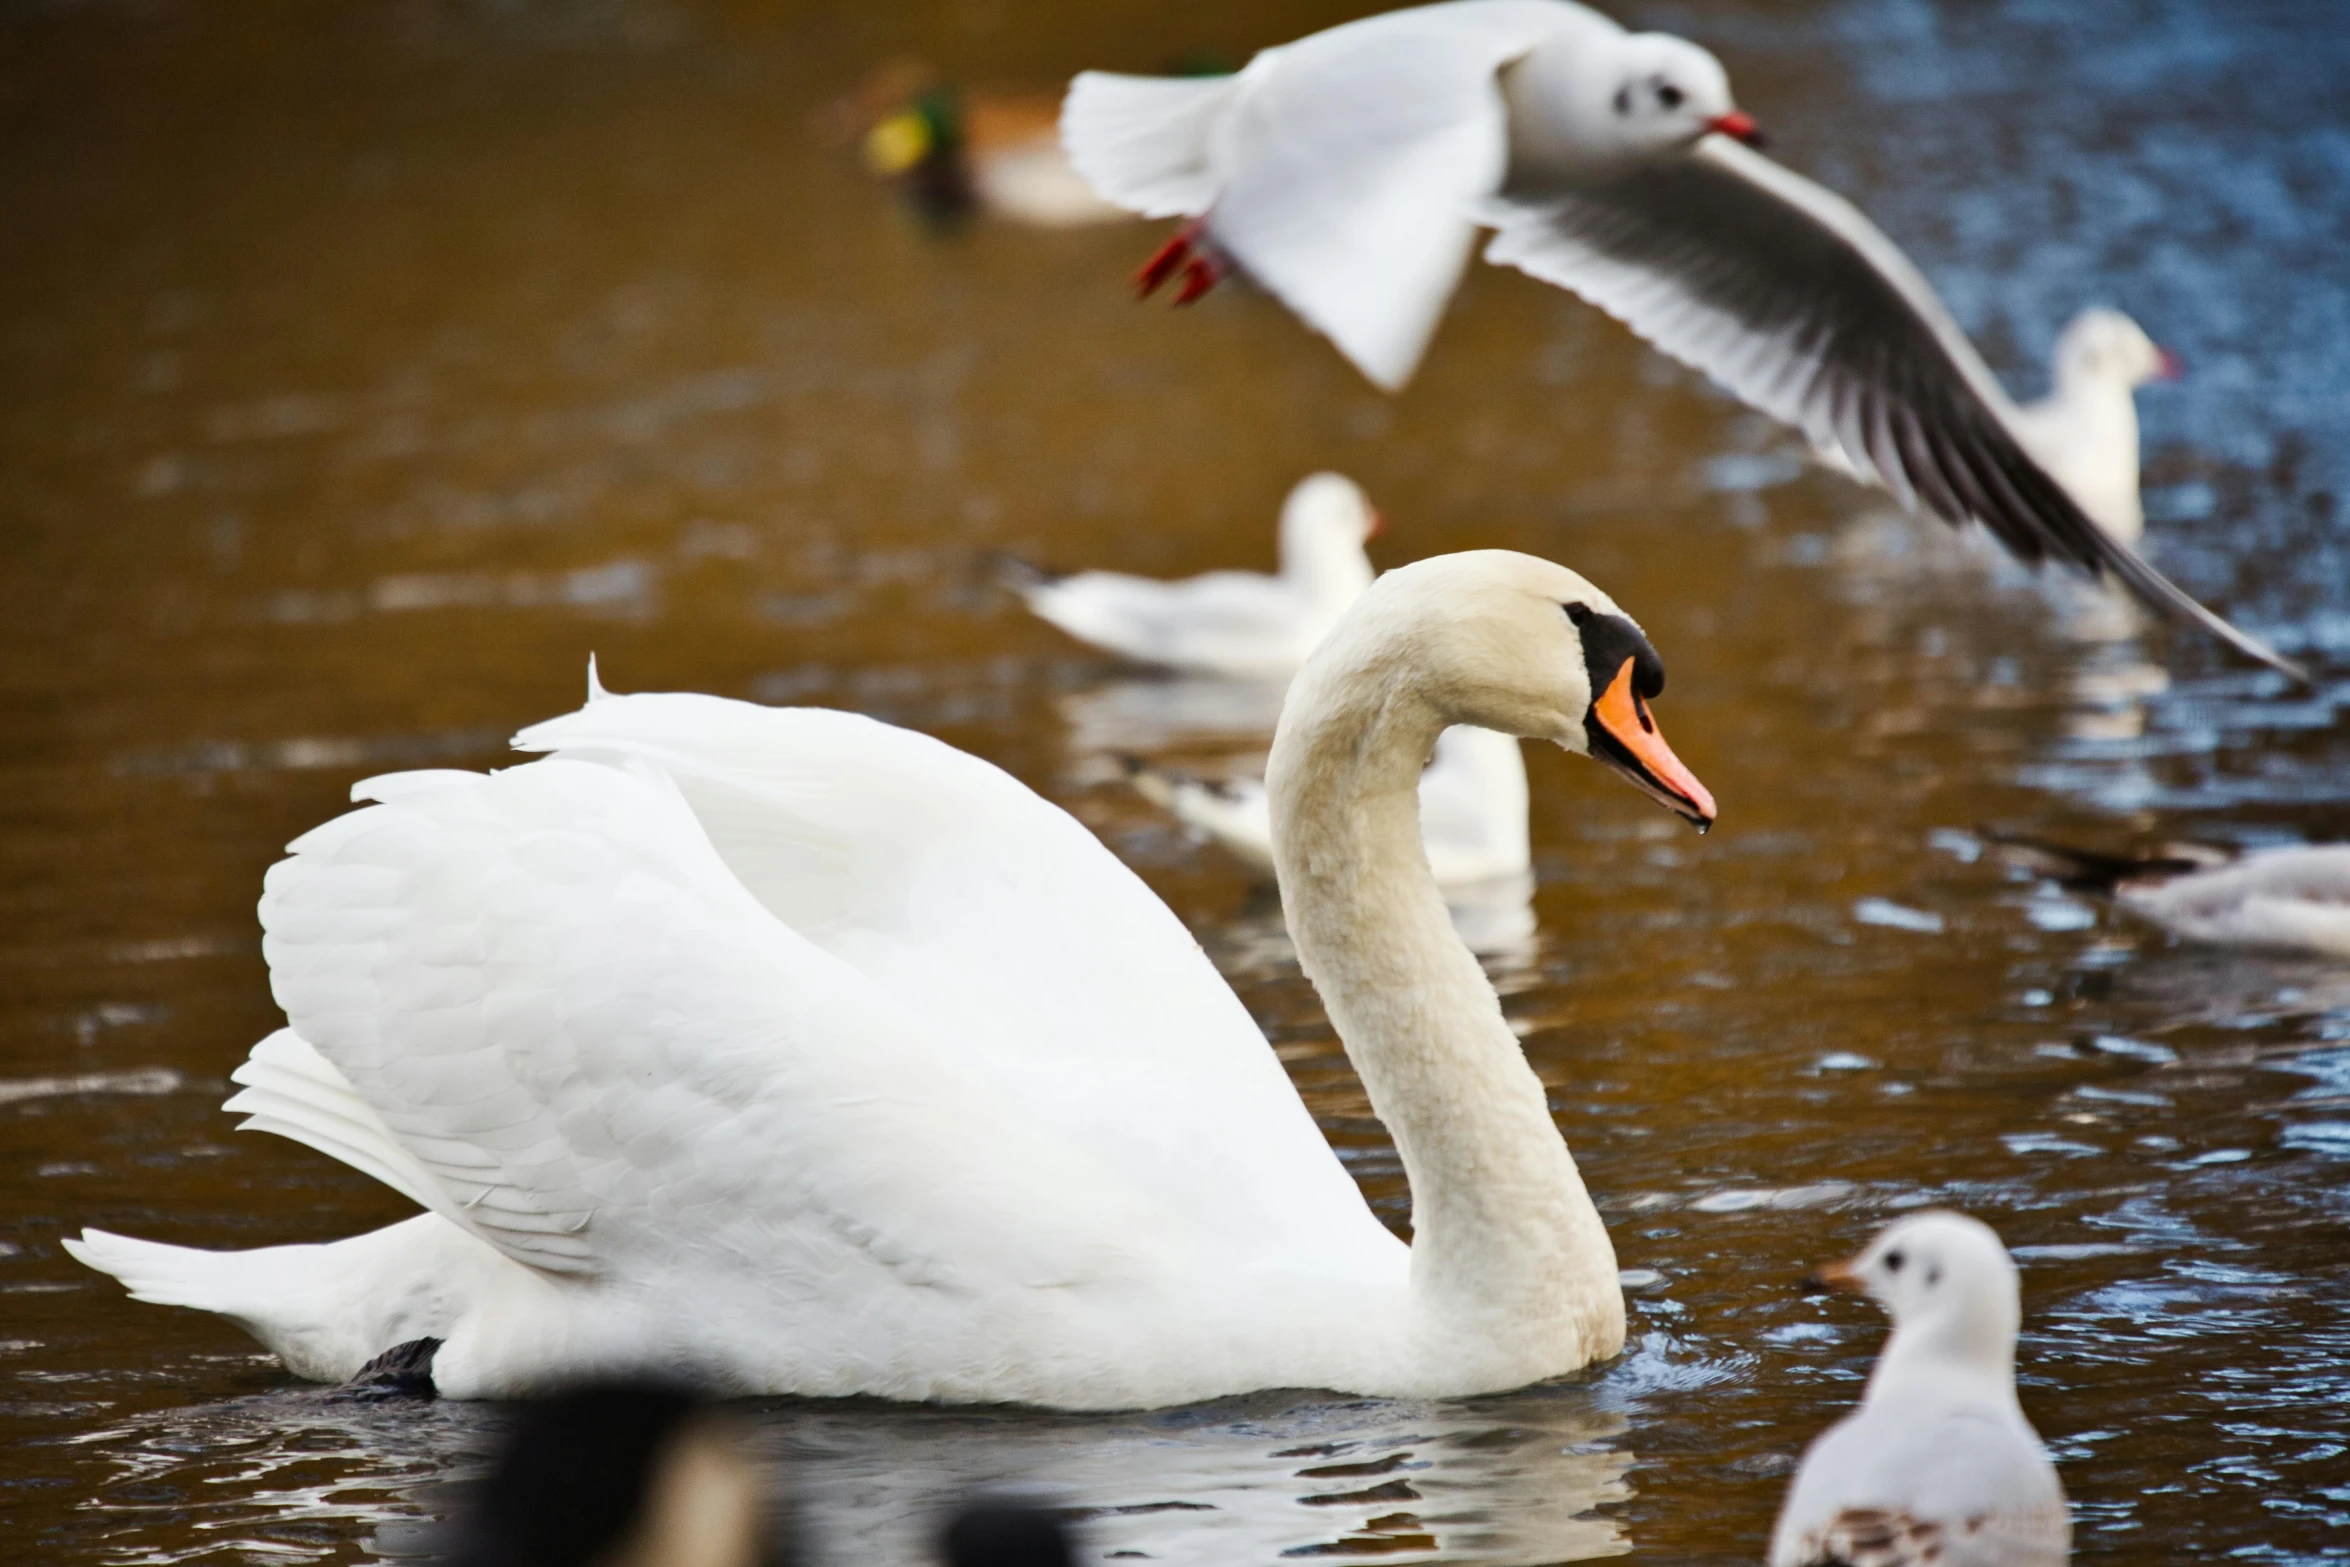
[[1378, 524], [1841, 1276], [1628, 740], [1738, 125]]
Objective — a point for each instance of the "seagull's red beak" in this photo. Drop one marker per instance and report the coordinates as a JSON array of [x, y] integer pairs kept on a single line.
[[2169, 366], [1738, 125]]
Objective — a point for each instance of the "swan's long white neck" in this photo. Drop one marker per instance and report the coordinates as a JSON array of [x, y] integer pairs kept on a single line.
[[1508, 1250]]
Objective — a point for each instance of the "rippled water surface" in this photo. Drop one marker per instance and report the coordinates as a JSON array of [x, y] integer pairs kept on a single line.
[[363, 367]]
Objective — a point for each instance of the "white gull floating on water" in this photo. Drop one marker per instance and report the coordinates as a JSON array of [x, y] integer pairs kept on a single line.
[[2290, 896], [1349, 172], [1473, 794], [1938, 1466]]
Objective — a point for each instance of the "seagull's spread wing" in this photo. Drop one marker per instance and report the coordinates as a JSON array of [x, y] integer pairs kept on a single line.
[[1350, 161], [1788, 296]]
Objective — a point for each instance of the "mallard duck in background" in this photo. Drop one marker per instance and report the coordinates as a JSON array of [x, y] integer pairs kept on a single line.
[[958, 152]]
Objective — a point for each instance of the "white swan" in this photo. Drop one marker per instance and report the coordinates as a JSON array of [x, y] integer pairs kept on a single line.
[[817, 1057], [1938, 1466], [2292, 896], [1472, 810], [1351, 170], [2085, 431], [1238, 623]]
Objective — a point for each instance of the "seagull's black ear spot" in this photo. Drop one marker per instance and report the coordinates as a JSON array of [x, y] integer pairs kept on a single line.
[[1893, 1261], [1624, 100], [1933, 1277]]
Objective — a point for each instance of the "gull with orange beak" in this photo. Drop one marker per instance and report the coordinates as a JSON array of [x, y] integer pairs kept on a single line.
[[1938, 1464], [1351, 171]]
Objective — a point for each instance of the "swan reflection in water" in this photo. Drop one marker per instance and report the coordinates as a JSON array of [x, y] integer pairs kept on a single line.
[[1220, 727], [1259, 1479]]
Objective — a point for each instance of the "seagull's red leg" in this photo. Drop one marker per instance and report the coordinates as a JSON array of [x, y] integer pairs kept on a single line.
[[1165, 262], [1202, 272]]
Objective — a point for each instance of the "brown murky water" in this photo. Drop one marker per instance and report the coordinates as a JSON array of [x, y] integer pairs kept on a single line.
[[364, 367]]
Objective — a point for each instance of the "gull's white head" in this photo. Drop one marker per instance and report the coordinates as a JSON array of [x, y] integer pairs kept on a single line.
[[1328, 509], [2105, 347], [1324, 524], [1948, 1283], [1588, 105], [1513, 643]]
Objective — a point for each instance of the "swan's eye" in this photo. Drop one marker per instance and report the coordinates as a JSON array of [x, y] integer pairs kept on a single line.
[[1892, 1262], [1580, 614], [1669, 96]]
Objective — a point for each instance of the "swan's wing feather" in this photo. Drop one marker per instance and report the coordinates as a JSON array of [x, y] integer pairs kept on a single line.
[[602, 1052], [1001, 923], [1351, 161], [1784, 293]]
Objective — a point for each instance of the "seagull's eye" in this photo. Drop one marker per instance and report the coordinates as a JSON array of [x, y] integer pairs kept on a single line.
[[1892, 1262], [1623, 100], [1669, 96]]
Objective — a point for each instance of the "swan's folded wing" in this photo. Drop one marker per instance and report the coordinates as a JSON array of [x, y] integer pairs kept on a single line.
[[1005, 926], [1784, 293], [602, 1050], [1351, 160]]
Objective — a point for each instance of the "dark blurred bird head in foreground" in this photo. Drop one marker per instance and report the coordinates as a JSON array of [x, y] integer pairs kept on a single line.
[[646, 1473], [618, 1474]]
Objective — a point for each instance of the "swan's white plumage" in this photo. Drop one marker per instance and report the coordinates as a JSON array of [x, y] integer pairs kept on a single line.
[[796, 988], [293, 1091], [809, 1055]]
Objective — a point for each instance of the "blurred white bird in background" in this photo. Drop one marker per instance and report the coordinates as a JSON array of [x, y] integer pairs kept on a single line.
[[2293, 896], [1350, 171], [1242, 624], [1473, 794], [1938, 1466], [2085, 431]]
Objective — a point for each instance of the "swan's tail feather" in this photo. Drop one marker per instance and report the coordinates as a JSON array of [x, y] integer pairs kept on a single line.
[[293, 1091], [163, 1275], [1142, 141], [324, 1310]]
